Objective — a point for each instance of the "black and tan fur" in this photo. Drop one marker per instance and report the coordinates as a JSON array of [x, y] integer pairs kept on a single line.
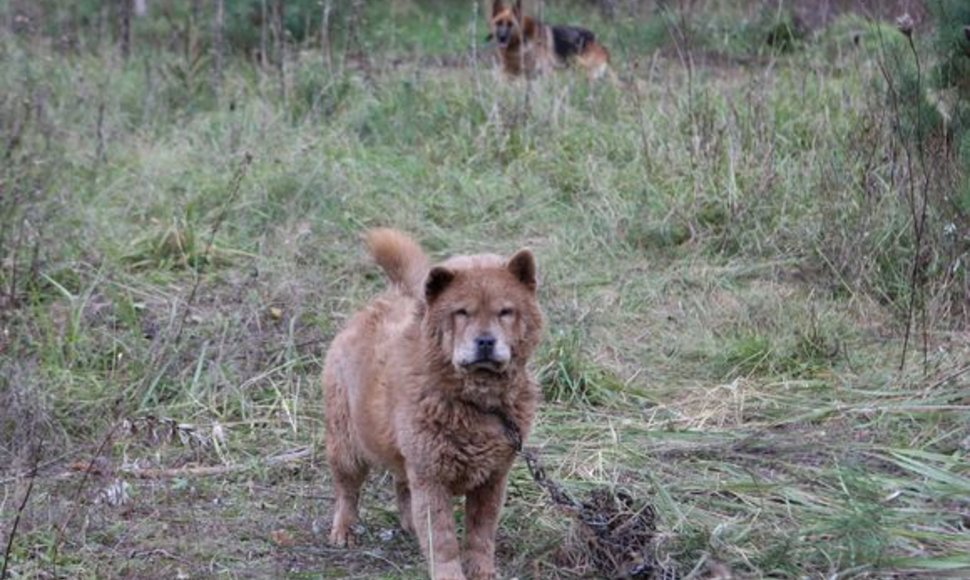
[[529, 47]]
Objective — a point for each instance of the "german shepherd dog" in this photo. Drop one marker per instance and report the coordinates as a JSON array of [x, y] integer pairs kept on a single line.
[[530, 47]]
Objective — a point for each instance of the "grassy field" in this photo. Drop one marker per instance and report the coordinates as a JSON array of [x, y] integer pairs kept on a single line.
[[736, 340]]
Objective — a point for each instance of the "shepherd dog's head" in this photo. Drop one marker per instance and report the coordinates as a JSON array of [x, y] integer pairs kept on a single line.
[[506, 22]]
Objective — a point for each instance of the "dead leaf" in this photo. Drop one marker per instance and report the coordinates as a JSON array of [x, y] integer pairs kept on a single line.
[[282, 538]]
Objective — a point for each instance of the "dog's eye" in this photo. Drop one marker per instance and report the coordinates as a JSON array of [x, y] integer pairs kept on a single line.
[[506, 312], [461, 313]]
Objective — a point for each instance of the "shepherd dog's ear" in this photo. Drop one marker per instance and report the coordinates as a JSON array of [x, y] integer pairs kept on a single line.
[[497, 7], [517, 9]]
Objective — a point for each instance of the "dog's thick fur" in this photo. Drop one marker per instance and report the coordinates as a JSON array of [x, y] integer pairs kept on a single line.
[[426, 382], [529, 47]]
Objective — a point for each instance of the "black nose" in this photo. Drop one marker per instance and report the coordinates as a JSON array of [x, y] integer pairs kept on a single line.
[[485, 344]]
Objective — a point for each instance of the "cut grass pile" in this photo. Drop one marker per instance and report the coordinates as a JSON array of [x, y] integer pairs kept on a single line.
[[720, 272]]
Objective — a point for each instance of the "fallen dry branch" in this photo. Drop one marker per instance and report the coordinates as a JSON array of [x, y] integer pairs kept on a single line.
[[203, 470], [209, 470]]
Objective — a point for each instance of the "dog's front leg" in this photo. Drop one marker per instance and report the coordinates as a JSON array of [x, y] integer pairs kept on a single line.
[[482, 508], [434, 524]]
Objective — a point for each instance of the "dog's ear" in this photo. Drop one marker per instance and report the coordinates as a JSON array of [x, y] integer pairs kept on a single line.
[[523, 266], [438, 280], [497, 7], [517, 9]]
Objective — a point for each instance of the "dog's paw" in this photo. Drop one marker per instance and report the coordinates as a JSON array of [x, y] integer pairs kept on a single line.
[[448, 571], [342, 537], [480, 568]]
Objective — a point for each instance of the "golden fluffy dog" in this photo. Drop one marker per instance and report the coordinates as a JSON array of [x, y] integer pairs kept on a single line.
[[430, 382]]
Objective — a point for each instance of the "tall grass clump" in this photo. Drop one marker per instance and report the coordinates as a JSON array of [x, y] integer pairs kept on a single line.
[[904, 236], [951, 77], [567, 374]]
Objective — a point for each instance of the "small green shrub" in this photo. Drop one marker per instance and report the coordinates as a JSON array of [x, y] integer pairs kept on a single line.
[[651, 235], [747, 355], [808, 350], [567, 375]]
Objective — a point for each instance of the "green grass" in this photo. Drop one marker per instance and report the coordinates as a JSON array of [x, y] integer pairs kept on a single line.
[[725, 260]]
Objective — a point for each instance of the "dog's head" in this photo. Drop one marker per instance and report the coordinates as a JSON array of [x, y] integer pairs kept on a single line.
[[506, 22], [482, 311]]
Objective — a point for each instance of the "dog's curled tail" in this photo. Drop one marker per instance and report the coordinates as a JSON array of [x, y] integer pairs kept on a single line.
[[401, 258]]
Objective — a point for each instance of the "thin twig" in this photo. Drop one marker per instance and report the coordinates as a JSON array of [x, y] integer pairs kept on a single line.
[[917, 282], [218, 46], [62, 530], [677, 26], [234, 188], [279, 27], [101, 155], [326, 41], [263, 23], [12, 294], [894, 104], [20, 510]]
